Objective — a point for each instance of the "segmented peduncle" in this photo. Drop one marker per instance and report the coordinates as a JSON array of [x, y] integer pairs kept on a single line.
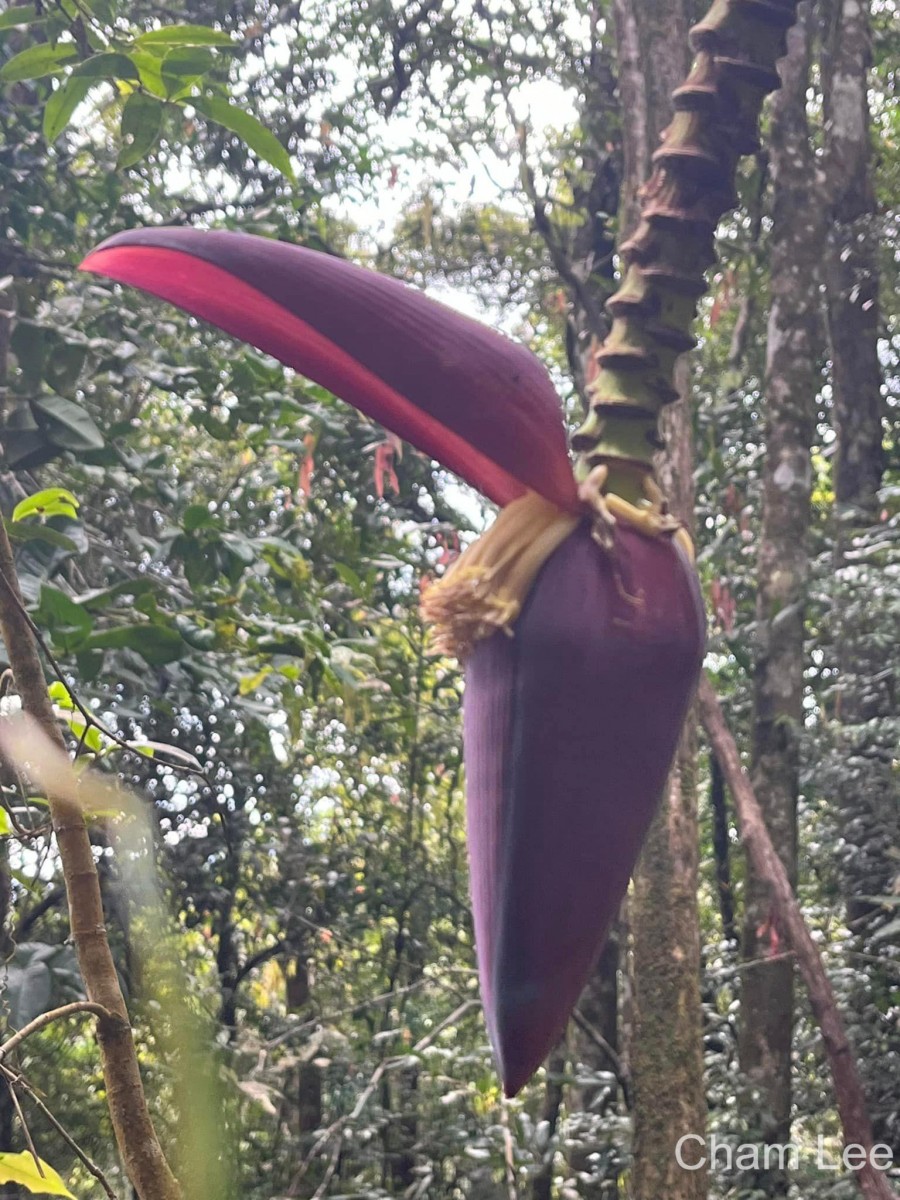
[[716, 121]]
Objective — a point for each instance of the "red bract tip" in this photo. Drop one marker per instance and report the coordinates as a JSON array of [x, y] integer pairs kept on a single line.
[[571, 726], [465, 395]]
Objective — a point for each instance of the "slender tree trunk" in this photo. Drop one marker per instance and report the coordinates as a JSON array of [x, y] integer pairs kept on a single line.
[[136, 1138], [852, 274], [791, 385], [667, 1061], [595, 195], [866, 736], [718, 801]]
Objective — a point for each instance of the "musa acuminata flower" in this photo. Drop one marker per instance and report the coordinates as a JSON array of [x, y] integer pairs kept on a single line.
[[578, 614]]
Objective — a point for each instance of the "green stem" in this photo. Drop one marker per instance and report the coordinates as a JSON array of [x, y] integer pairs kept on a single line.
[[716, 122]]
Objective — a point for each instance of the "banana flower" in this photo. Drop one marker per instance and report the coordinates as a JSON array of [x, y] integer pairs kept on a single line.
[[578, 614]]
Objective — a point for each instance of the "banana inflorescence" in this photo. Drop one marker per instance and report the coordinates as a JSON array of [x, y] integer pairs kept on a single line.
[[579, 613]]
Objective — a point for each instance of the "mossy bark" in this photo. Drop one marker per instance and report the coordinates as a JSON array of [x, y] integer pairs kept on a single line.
[[793, 359], [866, 732], [667, 1060]]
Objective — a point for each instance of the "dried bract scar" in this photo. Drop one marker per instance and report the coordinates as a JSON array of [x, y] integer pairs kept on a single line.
[[578, 614]]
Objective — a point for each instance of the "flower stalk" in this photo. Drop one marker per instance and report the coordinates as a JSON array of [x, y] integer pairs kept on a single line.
[[716, 121]]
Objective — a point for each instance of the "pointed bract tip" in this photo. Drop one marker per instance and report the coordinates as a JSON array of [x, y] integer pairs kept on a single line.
[[469, 397]]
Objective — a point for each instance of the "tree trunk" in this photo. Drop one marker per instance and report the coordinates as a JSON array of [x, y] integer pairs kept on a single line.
[[852, 274], [791, 384], [135, 1135], [718, 802], [7, 946], [667, 1060], [866, 627], [595, 195]]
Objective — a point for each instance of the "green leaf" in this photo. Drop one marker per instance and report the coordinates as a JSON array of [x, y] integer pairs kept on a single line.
[[184, 68], [251, 683], [51, 502], [175, 753], [88, 735], [261, 141], [68, 424], [156, 644], [96, 601], [198, 516], [188, 60], [196, 636], [40, 533], [141, 126], [67, 622], [29, 344], [887, 932], [64, 361], [22, 14], [59, 108], [60, 694], [38, 1177], [38, 61], [105, 10], [6, 828], [112, 65], [56, 23], [184, 35], [149, 68]]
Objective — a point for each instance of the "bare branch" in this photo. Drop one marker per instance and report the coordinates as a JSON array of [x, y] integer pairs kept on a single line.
[[54, 1014], [13, 1081]]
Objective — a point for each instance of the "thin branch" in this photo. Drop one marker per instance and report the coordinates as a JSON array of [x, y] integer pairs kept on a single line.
[[322, 1189], [329, 1018], [467, 1007], [25, 1130], [13, 1081], [509, 1157], [601, 1043], [22, 833], [256, 960], [55, 1014], [544, 226], [27, 923]]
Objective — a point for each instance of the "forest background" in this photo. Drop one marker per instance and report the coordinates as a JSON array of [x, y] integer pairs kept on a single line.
[[236, 592]]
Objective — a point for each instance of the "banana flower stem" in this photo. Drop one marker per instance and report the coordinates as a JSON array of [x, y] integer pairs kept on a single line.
[[737, 45]]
